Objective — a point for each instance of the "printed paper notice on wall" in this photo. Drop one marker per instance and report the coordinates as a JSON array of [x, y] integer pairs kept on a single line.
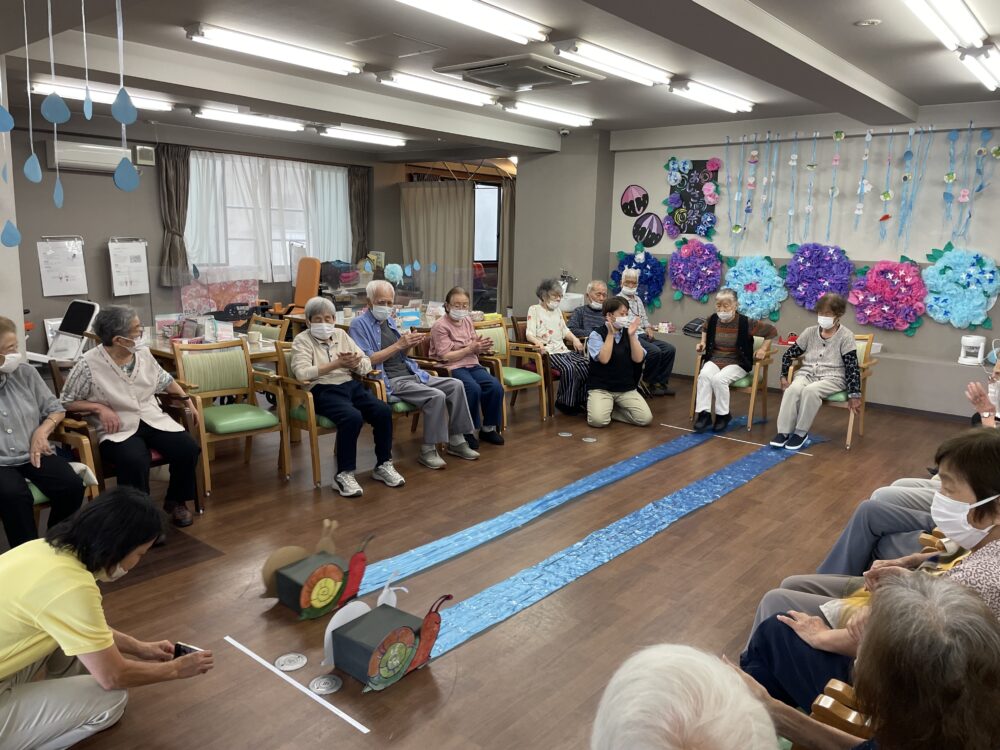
[[129, 274], [62, 268]]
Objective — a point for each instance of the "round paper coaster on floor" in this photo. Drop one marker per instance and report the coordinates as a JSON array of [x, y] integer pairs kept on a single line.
[[328, 683], [589, 440], [290, 662], [565, 434]]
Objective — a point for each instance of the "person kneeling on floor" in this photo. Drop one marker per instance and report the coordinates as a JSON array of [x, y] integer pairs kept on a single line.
[[326, 357], [829, 365], [727, 355], [616, 357], [63, 670]]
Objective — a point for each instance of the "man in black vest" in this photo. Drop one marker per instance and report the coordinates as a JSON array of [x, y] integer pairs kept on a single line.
[[616, 356]]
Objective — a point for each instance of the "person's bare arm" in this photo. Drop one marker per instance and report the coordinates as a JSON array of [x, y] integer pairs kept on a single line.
[[114, 672]]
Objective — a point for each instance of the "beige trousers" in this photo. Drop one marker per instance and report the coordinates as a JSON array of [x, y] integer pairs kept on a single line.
[[628, 407], [57, 711]]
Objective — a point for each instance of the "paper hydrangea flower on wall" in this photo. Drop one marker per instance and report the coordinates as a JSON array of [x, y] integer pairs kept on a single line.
[[962, 286], [815, 270], [393, 273], [758, 286], [695, 269], [889, 295], [651, 275]]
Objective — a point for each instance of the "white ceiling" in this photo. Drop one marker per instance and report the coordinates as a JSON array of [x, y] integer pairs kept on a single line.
[[792, 57]]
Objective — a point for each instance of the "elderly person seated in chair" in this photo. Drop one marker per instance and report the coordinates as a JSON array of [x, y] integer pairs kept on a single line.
[[659, 354], [615, 366], [590, 315], [325, 357], [727, 353], [454, 341], [441, 400], [115, 385], [546, 328], [28, 415]]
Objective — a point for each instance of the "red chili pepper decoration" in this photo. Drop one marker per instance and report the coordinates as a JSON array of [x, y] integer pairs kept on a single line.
[[356, 571], [428, 634]]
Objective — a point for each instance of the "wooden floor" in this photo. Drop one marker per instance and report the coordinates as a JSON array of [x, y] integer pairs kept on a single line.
[[535, 680]]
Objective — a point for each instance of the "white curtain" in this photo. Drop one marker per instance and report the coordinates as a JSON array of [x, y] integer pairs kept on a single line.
[[439, 224], [244, 211]]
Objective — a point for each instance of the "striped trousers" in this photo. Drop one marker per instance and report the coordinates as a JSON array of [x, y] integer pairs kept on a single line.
[[573, 370]]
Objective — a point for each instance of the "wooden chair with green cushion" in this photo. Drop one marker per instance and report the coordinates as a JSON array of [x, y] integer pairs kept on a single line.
[[839, 400], [753, 383], [74, 435], [504, 361], [223, 370]]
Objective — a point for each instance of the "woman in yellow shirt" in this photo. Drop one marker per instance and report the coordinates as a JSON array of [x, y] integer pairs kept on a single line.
[[51, 619]]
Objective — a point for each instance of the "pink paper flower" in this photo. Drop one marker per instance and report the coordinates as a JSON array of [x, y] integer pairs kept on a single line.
[[711, 199], [751, 287], [714, 164]]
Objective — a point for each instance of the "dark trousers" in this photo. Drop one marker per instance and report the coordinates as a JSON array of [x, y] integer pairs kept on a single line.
[[57, 481], [131, 461], [659, 360], [790, 669], [484, 394], [349, 405]]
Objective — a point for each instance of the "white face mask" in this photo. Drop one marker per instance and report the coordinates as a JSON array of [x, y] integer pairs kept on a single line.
[[133, 346], [726, 315], [381, 312], [596, 305], [628, 291], [621, 321], [322, 331], [826, 322], [952, 517], [106, 577], [457, 315], [553, 304], [10, 362]]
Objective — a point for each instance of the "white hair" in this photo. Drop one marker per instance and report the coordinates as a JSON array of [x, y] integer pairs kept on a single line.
[[726, 293], [319, 306], [630, 273], [379, 285], [594, 284], [671, 697]]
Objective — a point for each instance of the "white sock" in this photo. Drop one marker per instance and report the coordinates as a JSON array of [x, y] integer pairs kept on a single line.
[[456, 440], [489, 428]]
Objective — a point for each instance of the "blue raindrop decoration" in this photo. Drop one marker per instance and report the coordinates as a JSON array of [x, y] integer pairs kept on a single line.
[[10, 237], [416, 265], [54, 109], [88, 105], [3, 173], [126, 176], [195, 273], [434, 267], [408, 270], [57, 194], [368, 266], [32, 169], [123, 110], [6, 120]]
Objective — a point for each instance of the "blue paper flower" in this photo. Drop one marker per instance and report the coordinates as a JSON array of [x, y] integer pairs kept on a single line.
[[652, 274], [758, 286], [393, 273], [962, 286]]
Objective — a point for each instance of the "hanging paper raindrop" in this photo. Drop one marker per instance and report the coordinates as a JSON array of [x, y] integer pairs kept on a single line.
[[32, 169], [434, 267], [408, 270], [88, 103], [57, 193], [122, 109], [416, 265], [126, 176], [53, 107], [368, 266], [10, 237], [6, 120]]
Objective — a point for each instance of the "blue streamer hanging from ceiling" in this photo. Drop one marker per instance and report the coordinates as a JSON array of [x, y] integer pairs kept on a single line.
[[123, 110], [793, 162], [54, 110], [771, 185], [811, 169], [962, 226], [887, 193], [9, 234], [88, 102], [924, 143], [864, 186], [32, 168], [838, 137]]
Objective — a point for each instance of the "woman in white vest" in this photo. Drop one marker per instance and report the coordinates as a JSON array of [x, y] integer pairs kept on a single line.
[[115, 385]]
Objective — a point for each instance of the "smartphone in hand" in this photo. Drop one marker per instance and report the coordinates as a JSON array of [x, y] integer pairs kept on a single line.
[[183, 649]]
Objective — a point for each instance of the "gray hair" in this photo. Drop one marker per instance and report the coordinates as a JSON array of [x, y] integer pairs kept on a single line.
[[379, 285], [630, 273], [671, 697], [594, 284], [548, 287], [112, 321], [726, 293], [319, 306]]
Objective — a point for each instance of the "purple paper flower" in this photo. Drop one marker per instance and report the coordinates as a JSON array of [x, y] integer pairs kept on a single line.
[[674, 200], [816, 269], [695, 268], [890, 296]]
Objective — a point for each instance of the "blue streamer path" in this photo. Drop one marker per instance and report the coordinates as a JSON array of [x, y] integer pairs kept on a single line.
[[492, 606], [422, 558]]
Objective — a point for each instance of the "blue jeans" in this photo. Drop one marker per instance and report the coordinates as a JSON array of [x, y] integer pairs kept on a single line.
[[484, 394], [349, 405]]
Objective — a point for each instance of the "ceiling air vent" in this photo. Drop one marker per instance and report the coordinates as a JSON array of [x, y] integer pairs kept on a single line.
[[521, 73]]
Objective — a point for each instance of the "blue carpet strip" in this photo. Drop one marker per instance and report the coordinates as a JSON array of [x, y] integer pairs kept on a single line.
[[491, 606], [441, 550]]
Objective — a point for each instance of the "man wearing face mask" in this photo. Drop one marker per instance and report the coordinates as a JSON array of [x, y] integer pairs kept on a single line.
[[659, 354], [616, 358], [455, 342], [588, 316], [727, 353], [327, 358], [441, 400], [28, 415], [115, 386]]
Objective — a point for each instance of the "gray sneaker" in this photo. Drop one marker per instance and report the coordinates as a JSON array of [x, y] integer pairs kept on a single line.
[[347, 485], [462, 450], [387, 473], [431, 459]]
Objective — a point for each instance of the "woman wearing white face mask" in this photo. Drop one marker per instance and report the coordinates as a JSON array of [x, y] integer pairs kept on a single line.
[[829, 365], [727, 349], [454, 341], [115, 386], [547, 329], [28, 415], [63, 669], [616, 358], [327, 358]]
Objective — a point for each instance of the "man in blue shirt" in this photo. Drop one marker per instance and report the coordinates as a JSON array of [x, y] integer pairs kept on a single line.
[[441, 400], [616, 357]]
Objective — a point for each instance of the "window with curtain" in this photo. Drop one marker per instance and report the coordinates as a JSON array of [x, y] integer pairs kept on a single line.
[[487, 223], [243, 211]]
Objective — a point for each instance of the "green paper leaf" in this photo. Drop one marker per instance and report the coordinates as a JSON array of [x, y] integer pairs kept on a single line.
[[678, 295], [769, 259], [910, 331], [988, 324], [783, 272], [730, 262], [621, 255], [917, 323], [775, 314], [704, 298], [949, 246], [904, 259], [639, 247], [931, 257], [656, 303], [792, 248], [679, 244], [971, 326], [663, 261]]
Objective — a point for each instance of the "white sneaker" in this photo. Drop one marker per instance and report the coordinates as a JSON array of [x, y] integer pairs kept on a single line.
[[462, 450], [387, 473], [347, 485], [431, 459]]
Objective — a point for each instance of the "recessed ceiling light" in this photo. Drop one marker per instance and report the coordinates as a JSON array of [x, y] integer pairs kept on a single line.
[[867, 23]]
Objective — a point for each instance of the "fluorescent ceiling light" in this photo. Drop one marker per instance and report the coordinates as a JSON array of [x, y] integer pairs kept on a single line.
[[258, 121], [599, 58], [991, 61], [961, 20], [434, 88], [271, 49], [549, 115], [703, 94], [98, 95], [346, 134], [484, 17], [979, 70]]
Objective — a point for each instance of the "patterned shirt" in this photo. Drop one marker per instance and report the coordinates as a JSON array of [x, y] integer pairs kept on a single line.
[[24, 402], [80, 382], [835, 358], [980, 571], [724, 351], [549, 327]]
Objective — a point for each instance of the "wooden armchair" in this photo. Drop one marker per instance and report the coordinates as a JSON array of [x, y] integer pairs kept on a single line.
[[839, 400], [507, 365], [74, 435], [307, 277], [753, 383], [837, 707], [550, 375]]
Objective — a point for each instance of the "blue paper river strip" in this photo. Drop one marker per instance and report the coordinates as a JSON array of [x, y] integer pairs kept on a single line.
[[441, 550], [491, 606]]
